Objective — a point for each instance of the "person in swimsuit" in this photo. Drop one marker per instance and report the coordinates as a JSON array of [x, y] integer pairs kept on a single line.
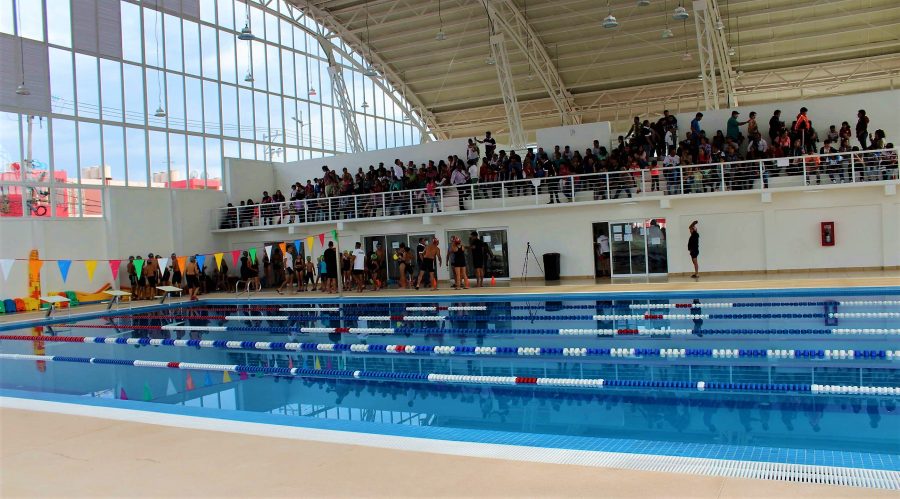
[[694, 247], [288, 260], [310, 274], [420, 262], [458, 262], [403, 258], [248, 273], [331, 268], [176, 271], [300, 271], [476, 247], [193, 283], [151, 269], [432, 253]]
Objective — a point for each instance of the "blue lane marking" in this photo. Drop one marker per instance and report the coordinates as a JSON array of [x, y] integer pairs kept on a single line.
[[818, 457]]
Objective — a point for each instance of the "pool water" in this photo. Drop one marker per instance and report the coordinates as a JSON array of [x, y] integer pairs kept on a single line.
[[776, 371]]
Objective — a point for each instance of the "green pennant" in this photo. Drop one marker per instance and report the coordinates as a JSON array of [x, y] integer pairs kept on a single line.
[[334, 234], [147, 395], [138, 266], [252, 252]]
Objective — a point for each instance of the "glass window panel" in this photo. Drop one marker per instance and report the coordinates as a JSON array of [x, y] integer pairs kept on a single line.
[[287, 34], [287, 73], [276, 127], [290, 120], [272, 28], [226, 57], [62, 82], [59, 24], [66, 202], [91, 202], [114, 154], [229, 111], [213, 164], [173, 42], [325, 79], [299, 39], [131, 29], [87, 87], [89, 154], [10, 147], [245, 110], [259, 66], [153, 38], [194, 104], [137, 157], [175, 100], [134, 94], [291, 154], [261, 112], [248, 150], [256, 20], [208, 11], [226, 13], [273, 71], [328, 138], [159, 159], [232, 149], [211, 107], [340, 132], [65, 155], [313, 76], [315, 126], [196, 163], [40, 148], [191, 31], [303, 128], [6, 17], [177, 161], [244, 64], [31, 19], [111, 89], [390, 135], [210, 48], [300, 73]]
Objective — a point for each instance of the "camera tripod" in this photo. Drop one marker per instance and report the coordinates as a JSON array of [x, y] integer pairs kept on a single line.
[[530, 251]]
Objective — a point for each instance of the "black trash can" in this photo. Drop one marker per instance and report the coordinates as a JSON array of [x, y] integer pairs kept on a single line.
[[551, 266]]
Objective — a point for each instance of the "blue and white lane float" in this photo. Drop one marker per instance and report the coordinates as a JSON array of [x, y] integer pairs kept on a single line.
[[594, 383], [864, 315], [665, 353], [635, 317], [848, 303], [309, 309], [451, 308]]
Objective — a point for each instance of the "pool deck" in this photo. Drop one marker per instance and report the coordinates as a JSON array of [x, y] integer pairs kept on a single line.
[[64, 455]]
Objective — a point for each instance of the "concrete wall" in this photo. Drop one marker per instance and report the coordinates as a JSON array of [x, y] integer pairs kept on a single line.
[[247, 179], [579, 137]]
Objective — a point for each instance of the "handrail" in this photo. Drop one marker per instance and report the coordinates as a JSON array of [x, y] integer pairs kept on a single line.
[[745, 175]]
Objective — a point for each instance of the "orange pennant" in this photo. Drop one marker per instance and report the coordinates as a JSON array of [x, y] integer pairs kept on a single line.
[[283, 248], [182, 263], [34, 266]]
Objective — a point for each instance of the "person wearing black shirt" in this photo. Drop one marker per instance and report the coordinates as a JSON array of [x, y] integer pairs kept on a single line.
[[331, 268], [775, 125], [489, 145], [420, 262], [694, 247], [862, 128]]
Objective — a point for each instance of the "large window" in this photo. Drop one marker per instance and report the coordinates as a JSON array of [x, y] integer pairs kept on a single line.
[[162, 114]]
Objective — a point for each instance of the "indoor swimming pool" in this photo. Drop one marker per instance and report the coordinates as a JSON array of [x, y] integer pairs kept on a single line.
[[796, 377]]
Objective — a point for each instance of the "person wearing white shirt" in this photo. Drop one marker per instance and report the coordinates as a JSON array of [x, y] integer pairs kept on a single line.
[[397, 169], [673, 174], [359, 267], [603, 252]]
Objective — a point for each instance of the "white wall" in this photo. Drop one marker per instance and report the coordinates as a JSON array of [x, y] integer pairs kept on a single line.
[[881, 108], [247, 179], [287, 174], [579, 137]]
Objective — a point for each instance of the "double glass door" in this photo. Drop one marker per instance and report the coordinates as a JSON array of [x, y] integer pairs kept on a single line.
[[495, 239], [637, 247], [391, 243]]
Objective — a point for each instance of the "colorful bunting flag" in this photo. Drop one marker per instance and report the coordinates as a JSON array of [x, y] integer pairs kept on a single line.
[[6, 265], [318, 364], [283, 248], [138, 266], [162, 263], [182, 263], [297, 245], [309, 244], [114, 268], [243, 375], [322, 239], [122, 394], [235, 256], [226, 378], [34, 267], [147, 395], [189, 382], [91, 266], [334, 234], [201, 259], [252, 252], [269, 252], [207, 379], [218, 257], [170, 388], [290, 363], [64, 266]]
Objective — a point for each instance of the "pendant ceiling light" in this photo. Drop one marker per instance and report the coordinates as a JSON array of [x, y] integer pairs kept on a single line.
[[440, 36], [312, 92], [365, 105], [680, 13], [249, 77], [247, 33], [720, 25], [731, 51], [643, 3], [490, 61], [160, 112], [370, 71], [667, 33], [609, 21]]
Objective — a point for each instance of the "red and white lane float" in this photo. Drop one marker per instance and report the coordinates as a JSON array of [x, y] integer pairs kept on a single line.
[[653, 306], [624, 332], [452, 308], [348, 330], [866, 331], [649, 317], [182, 327]]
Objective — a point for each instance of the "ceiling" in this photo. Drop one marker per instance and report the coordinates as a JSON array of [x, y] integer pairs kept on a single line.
[[783, 49]]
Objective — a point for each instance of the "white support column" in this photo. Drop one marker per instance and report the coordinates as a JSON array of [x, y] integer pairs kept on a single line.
[[508, 19], [723, 60], [342, 99], [517, 138], [706, 50]]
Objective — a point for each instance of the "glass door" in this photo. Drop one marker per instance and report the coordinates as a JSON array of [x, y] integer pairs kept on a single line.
[[413, 242], [638, 247], [495, 239]]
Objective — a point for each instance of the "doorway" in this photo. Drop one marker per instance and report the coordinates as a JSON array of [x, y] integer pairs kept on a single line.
[[495, 239], [390, 243], [636, 248]]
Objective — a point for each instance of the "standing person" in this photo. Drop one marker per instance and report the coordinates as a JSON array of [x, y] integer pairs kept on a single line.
[[320, 276], [489, 144], [346, 266], [420, 262], [458, 262], [248, 272], [151, 269], [359, 267], [331, 268], [192, 272], [603, 253], [176, 270], [382, 266], [132, 278], [310, 275], [300, 271], [141, 278], [862, 128], [287, 259], [476, 247], [404, 258], [694, 247], [432, 253]]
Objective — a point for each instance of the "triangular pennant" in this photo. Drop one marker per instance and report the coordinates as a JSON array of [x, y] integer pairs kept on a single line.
[[226, 378], [309, 244], [322, 239], [297, 245], [243, 375], [148, 396], [114, 268], [90, 266], [122, 394], [6, 265], [235, 256], [207, 379], [218, 257], [334, 234], [201, 259], [34, 266], [64, 266], [170, 388], [189, 382], [290, 363], [283, 248], [318, 365], [252, 252], [162, 263], [138, 266], [182, 263], [269, 252]]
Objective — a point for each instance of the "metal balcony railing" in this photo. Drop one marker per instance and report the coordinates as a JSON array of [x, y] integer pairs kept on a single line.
[[684, 180]]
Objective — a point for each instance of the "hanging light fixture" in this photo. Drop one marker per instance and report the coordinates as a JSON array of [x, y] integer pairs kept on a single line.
[[312, 92], [440, 36], [246, 33], [365, 105], [643, 3], [21, 89], [700, 76], [667, 33], [609, 21], [490, 61], [686, 56], [249, 77], [371, 71], [680, 14], [731, 51], [160, 112], [720, 25]]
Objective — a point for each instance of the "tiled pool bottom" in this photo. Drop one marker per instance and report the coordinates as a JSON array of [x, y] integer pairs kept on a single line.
[[859, 469]]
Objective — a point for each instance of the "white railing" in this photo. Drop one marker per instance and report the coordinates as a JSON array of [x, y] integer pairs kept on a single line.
[[738, 176]]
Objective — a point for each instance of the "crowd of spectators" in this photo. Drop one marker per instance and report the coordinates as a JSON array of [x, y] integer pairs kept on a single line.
[[646, 158]]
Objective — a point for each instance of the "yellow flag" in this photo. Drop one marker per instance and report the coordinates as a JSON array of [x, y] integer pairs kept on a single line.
[[309, 244], [318, 365], [218, 260], [90, 265], [226, 378]]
